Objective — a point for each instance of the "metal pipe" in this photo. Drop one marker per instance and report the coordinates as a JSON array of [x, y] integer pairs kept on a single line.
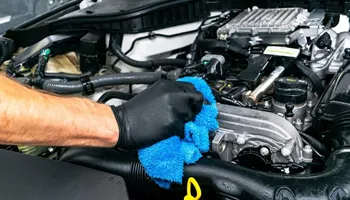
[[264, 86]]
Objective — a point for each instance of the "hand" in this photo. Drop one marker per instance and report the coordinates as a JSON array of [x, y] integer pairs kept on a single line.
[[157, 113]]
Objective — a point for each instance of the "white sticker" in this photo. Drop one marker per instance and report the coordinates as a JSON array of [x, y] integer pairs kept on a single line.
[[282, 51]]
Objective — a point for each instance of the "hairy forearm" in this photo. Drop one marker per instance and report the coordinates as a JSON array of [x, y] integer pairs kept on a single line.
[[33, 118]]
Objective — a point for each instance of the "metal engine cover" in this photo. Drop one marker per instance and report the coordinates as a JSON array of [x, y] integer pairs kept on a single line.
[[242, 128], [267, 26]]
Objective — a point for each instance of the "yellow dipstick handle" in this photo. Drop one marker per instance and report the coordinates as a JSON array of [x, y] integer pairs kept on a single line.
[[191, 181]]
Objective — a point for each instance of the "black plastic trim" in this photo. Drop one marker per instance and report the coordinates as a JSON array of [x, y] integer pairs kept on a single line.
[[149, 17], [335, 6]]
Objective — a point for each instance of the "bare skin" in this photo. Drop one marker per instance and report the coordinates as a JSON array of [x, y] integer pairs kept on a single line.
[[29, 117]]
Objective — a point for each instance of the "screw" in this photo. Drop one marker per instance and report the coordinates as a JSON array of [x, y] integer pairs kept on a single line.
[[286, 151], [240, 140], [264, 151], [51, 2]]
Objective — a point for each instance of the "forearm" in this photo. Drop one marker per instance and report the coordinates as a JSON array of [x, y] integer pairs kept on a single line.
[[33, 118]]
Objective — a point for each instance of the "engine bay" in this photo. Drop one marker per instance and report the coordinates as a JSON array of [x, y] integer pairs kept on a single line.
[[279, 75]]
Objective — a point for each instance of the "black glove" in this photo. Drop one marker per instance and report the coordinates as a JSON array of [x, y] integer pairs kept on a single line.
[[157, 113]]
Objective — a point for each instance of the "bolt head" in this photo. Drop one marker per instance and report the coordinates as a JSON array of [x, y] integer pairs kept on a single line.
[[240, 140], [264, 151], [286, 151], [307, 148]]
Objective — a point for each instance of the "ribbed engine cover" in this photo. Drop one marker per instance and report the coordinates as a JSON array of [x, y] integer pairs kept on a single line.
[[266, 21]]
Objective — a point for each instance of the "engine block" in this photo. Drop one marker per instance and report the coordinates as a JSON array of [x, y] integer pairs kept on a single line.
[[243, 128]]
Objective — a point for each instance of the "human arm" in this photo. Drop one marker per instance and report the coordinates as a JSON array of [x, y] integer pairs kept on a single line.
[[32, 118], [29, 117]]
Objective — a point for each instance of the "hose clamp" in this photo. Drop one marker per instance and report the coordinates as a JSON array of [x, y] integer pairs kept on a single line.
[[88, 87]]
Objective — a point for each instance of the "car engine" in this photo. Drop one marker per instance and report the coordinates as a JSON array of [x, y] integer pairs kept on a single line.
[[279, 75]]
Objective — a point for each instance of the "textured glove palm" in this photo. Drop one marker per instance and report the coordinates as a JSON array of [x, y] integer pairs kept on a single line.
[[157, 113]]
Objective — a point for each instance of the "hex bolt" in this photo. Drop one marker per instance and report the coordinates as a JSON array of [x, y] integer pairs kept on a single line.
[[286, 151], [307, 149], [307, 152], [240, 140], [264, 151]]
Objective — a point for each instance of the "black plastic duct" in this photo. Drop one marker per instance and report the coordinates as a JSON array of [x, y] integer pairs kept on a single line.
[[225, 179]]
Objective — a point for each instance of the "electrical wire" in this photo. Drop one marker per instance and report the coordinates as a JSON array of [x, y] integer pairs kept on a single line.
[[317, 146], [329, 52]]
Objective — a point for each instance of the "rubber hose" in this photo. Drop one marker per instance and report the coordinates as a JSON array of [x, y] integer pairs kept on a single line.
[[72, 87], [238, 93], [225, 178], [315, 143], [124, 164], [194, 49], [66, 76], [151, 64], [315, 80], [211, 44], [115, 95]]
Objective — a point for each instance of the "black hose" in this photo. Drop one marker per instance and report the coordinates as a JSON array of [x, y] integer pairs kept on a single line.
[[71, 87], [115, 95], [151, 36], [315, 80], [238, 92], [315, 143], [194, 49], [212, 44], [151, 64], [66, 76], [225, 178]]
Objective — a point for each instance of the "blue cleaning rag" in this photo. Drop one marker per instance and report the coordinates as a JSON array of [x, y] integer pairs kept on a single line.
[[164, 161]]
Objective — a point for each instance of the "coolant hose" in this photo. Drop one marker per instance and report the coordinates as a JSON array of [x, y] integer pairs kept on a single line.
[[212, 44], [66, 76], [151, 64], [226, 179], [115, 95], [315, 80], [71, 87]]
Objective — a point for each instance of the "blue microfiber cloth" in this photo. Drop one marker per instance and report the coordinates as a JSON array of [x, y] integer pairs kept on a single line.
[[164, 161]]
